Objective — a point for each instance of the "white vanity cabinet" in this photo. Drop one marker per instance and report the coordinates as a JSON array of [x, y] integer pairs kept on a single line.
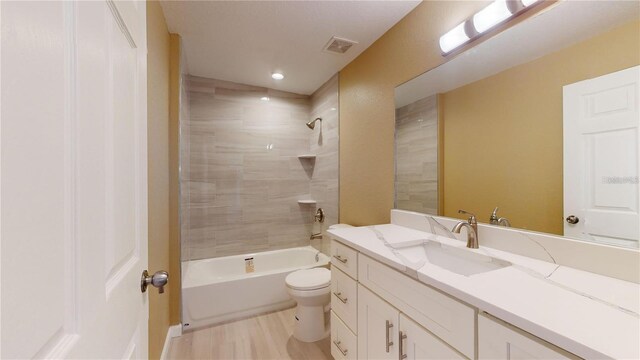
[[344, 298], [418, 343], [445, 317], [381, 313], [344, 302], [345, 259], [377, 327], [499, 340], [344, 343], [386, 333]]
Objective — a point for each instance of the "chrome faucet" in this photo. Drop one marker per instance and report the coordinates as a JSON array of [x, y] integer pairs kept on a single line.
[[316, 236], [472, 229], [495, 220]]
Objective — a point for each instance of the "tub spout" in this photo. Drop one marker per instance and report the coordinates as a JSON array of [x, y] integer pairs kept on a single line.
[[316, 236]]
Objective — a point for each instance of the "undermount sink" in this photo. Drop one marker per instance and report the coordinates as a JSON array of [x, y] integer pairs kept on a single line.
[[458, 260]]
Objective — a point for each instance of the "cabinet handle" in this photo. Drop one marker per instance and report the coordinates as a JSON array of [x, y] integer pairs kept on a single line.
[[400, 347], [340, 258], [339, 296], [337, 344], [389, 326]]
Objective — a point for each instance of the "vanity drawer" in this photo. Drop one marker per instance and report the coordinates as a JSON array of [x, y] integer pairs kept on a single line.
[[344, 298], [447, 318], [344, 258], [344, 343], [499, 340]]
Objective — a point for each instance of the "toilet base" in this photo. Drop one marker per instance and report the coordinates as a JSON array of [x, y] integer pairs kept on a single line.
[[310, 324]]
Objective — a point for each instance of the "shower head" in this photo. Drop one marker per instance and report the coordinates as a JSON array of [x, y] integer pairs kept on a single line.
[[312, 124]]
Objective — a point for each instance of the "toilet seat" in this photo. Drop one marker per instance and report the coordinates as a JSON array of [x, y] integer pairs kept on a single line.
[[309, 279]]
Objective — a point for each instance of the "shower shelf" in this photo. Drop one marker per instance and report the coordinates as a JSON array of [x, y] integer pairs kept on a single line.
[[307, 156], [307, 202]]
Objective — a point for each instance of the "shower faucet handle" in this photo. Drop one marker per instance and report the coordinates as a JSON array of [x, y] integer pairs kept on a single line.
[[319, 216], [159, 279]]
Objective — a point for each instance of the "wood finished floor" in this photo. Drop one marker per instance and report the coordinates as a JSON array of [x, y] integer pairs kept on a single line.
[[267, 336]]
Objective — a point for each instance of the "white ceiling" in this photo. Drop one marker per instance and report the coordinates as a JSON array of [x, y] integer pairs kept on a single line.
[[245, 41]]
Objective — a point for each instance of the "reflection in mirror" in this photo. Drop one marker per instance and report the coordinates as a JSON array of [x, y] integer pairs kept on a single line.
[[416, 140], [540, 120]]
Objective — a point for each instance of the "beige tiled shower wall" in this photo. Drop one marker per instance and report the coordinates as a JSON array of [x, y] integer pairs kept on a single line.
[[416, 180], [324, 143], [241, 176], [184, 150]]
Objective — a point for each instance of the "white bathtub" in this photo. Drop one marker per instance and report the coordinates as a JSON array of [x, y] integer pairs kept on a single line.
[[219, 289]]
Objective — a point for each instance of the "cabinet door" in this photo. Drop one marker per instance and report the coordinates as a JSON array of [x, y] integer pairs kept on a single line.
[[417, 343], [498, 340], [377, 327]]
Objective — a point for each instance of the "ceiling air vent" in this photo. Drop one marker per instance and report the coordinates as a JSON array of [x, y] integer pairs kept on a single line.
[[339, 45]]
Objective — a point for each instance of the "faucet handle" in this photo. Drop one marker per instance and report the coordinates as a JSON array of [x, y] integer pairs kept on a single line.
[[472, 217], [493, 219]]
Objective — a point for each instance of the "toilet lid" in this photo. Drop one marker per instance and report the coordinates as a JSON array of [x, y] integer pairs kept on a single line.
[[309, 279]]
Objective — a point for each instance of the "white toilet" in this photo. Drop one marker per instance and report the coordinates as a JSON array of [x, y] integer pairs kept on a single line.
[[310, 288]]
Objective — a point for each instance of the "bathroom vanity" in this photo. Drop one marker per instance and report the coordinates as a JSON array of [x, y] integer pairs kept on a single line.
[[400, 292]]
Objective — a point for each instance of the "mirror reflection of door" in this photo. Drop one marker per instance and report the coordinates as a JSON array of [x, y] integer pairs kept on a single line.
[[601, 150]]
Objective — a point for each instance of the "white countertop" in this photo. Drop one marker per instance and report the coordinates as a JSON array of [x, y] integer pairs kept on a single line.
[[590, 315]]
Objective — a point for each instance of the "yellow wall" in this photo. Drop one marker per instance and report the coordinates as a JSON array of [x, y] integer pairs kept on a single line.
[[174, 181], [367, 108], [158, 173], [503, 134]]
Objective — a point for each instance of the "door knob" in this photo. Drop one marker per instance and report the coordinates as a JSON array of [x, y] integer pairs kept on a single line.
[[572, 219], [159, 279]]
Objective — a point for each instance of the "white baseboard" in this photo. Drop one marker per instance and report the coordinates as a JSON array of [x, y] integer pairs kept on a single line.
[[173, 331]]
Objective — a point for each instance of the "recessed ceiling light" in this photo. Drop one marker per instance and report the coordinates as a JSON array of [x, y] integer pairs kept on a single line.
[[277, 76], [265, 98]]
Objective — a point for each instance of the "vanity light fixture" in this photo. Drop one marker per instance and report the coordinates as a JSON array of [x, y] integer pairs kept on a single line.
[[454, 38], [529, 2], [493, 14], [277, 76], [265, 98]]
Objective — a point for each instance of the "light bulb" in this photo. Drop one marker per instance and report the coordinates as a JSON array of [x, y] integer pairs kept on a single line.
[[277, 76], [454, 38], [528, 2], [491, 15]]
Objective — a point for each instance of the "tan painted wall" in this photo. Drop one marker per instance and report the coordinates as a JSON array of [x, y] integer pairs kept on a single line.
[[503, 134], [158, 172], [175, 75], [367, 109]]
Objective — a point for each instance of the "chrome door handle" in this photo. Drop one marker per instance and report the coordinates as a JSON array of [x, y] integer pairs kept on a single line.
[[337, 344], [159, 279], [340, 258], [401, 353], [572, 219], [389, 326], [339, 296]]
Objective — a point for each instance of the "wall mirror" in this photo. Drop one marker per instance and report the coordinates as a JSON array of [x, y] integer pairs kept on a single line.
[[541, 121]]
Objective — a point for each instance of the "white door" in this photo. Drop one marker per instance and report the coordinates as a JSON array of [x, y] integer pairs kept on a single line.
[[417, 343], [377, 327], [601, 158], [73, 180]]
